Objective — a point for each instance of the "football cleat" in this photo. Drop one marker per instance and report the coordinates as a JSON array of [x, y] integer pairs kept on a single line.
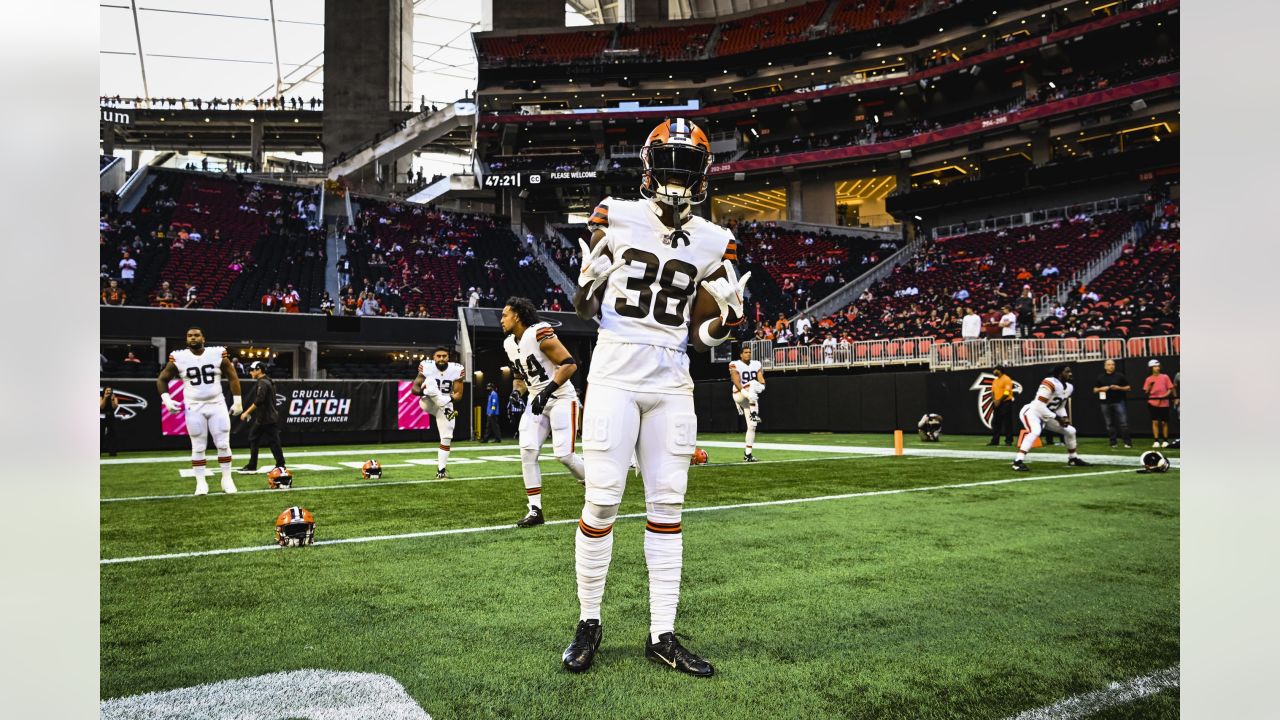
[[295, 527], [279, 479], [450, 414], [1077, 462], [442, 474], [229, 486], [248, 469], [202, 487], [755, 418], [533, 518], [748, 457], [668, 651], [582, 651], [1020, 466], [371, 469]]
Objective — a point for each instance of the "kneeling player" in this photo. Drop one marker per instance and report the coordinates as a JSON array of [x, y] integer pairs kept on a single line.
[[1048, 412], [930, 427], [439, 382], [748, 382], [545, 366], [201, 369]]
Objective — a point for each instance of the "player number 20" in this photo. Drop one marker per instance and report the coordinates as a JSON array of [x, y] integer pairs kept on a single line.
[[202, 375], [668, 289]]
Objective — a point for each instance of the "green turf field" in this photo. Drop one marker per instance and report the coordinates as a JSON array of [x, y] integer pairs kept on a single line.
[[963, 602]]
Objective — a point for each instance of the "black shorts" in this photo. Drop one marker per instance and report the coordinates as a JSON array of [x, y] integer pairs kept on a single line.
[[1159, 414]]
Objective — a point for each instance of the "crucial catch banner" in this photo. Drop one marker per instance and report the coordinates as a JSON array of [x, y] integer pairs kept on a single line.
[[328, 405]]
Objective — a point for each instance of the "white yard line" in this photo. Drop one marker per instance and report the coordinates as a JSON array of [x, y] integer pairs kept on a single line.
[[1005, 454], [1091, 703], [357, 452], [712, 508], [432, 481]]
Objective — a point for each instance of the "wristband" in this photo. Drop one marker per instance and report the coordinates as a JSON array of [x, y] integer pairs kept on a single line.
[[704, 334], [235, 400]]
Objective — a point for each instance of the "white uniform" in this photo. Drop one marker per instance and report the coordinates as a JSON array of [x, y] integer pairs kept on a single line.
[[437, 395], [560, 416], [1047, 410], [640, 372], [206, 408], [746, 402]]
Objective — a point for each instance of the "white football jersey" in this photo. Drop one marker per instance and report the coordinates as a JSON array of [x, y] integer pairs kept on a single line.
[[201, 374], [442, 379], [1053, 394], [535, 368], [644, 316], [747, 372]]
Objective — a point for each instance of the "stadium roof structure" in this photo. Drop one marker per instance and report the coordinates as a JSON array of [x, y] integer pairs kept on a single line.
[[605, 12]]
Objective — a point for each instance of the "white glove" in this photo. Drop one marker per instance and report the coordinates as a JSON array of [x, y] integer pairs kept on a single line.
[[727, 292], [595, 266], [170, 404], [236, 406]]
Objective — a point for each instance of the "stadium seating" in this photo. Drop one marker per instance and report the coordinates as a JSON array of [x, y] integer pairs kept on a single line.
[[544, 48], [769, 29], [856, 15], [684, 42]]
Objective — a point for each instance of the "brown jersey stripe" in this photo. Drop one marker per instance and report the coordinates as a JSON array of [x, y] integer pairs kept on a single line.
[[545, 333]]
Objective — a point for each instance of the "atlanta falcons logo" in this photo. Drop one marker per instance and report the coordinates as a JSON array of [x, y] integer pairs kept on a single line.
[[130, 404], [986, 401]]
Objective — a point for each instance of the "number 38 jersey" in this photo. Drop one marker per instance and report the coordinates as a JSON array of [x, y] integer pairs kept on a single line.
[[442, 380], [201, 374], [534, 367], [644, 316]]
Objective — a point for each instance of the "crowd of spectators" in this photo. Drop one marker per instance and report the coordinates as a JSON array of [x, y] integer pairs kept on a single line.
[[238, 103]]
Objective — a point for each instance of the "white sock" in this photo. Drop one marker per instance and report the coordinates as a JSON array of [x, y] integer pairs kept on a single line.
[[751, 437], [224, 463], [664, 554], [532, 475], [199, 466], [442, 457], [1022, 455], [593, 549], [576, 467]]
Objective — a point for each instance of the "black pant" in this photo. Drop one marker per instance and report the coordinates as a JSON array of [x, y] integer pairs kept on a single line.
[[271, 433], [1002, 422], [492, 429], [109, 437]]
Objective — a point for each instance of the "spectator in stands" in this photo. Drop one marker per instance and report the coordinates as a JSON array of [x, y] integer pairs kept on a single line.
[[166, 298], [326, 303], [270, 301], [128, 266], [292, 301], [1112, 389], [131, 358], [344, 271], [369, 306], [1159, 389], [473, 298], [193, 297], [1008, 323], [970, 325], [1025, 307], [113, 294]]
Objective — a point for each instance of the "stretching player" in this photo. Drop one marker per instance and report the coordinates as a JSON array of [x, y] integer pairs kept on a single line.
[[545, 366], [658, 277], [748, 383], [201, 369], [439, 382], [1048, 411]]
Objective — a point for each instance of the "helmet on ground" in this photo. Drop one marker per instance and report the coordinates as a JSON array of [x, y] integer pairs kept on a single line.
[[1153, 461], [676, 158], [699, 457], [279, 478], [295, 527], [371, 469]]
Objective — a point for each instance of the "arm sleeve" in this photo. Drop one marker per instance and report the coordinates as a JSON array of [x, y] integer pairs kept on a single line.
[[600, 216]]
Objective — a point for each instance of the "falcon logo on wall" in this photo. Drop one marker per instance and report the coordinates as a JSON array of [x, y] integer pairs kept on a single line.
[[986, 399]]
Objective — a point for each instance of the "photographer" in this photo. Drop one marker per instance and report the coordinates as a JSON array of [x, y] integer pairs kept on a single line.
[[107, 404]]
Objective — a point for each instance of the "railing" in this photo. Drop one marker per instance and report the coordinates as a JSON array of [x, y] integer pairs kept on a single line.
[[1087, 274], [960, 355], [851, 290], [1035, 217]]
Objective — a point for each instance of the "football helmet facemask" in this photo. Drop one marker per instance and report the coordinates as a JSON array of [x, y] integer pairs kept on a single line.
[[1153, 461], [279, 479], [371, 469], [295, 527], [676, 158]]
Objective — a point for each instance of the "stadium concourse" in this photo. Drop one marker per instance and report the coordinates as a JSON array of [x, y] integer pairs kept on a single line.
[[961, 225]]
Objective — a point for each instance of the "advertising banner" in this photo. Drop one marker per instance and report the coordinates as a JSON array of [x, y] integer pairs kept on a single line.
[[305, 406], [411, 416]]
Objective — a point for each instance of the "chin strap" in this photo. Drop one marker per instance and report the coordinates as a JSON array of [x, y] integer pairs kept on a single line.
[[682, 212]]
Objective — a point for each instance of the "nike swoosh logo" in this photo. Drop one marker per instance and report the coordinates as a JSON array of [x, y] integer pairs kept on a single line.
[[672, 663]]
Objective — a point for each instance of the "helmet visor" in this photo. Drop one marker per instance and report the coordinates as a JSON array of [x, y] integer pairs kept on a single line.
[[682, 165]]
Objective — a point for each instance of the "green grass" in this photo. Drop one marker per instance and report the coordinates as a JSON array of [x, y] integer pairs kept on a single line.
[[961, 603]]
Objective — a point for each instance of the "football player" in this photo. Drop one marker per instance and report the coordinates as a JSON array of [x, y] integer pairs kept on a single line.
[[1048, 411], [659, 278], [201, 370], [439, 383], [748, 383], [544, 366]]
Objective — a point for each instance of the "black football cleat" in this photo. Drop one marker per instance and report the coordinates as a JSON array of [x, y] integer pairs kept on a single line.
[[533, 518], [451, 414], [748, 457], [1020, 466], [442, 474], [248, 469], [668, 651], [1077, 462], [582, 651], [755, 418]]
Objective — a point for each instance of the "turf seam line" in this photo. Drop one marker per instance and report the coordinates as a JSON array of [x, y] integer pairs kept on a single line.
[[1088, 704], [710, 508]]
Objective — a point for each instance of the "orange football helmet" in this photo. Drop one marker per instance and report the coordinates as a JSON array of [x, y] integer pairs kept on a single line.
[[371, 469], [676, 158], [699, 457], [295, 527], [279, 478]]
